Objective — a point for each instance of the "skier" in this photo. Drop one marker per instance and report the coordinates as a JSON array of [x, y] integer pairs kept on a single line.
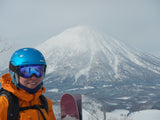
[[25, 81]]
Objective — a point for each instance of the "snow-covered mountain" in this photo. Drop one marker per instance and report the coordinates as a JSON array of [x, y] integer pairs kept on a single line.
[[83, 60], [89, 57]]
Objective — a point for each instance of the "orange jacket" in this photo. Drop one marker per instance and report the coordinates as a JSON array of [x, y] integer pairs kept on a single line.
[[25, 99]]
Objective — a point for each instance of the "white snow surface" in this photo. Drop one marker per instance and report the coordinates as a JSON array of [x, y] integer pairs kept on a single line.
[[69, 118], [139, 115], [146, 115], [122, 115]]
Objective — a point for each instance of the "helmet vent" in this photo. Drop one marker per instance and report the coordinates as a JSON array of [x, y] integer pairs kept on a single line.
[[25, 49], [20, 55], [41, 60]]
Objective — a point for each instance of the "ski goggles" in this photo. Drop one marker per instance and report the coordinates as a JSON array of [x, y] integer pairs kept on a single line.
[[28, 70]]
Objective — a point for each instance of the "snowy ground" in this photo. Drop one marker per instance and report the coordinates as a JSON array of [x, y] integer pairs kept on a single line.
[[122, 115], [116, 115], [145, 115], [139, 115]]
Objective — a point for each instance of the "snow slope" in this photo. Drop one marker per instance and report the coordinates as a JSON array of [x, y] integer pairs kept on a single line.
[[6, 50]]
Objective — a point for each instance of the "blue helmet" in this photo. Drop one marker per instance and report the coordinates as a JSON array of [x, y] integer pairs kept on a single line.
[[27, 56], [24, 56]]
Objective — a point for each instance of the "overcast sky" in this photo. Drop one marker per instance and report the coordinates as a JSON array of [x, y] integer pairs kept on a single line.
[[135, 22]]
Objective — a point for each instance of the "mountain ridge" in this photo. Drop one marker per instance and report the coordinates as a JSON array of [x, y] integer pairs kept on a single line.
[[85, 42]]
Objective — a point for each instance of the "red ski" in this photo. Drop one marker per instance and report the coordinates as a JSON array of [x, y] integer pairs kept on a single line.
[[69, 108]]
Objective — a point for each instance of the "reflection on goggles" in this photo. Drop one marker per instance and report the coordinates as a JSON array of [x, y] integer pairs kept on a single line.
[[28, 70]]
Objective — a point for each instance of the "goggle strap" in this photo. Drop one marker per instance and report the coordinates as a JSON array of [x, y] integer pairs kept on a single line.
[[45, 66], [13, 68]]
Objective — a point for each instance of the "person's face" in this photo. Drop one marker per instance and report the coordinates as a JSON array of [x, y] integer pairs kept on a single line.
[[31, 82]]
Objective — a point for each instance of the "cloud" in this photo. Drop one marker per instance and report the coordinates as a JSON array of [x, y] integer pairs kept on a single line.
[[133, 22]]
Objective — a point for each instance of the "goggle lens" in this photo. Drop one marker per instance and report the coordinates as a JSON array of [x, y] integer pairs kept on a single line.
[[29, 70]]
